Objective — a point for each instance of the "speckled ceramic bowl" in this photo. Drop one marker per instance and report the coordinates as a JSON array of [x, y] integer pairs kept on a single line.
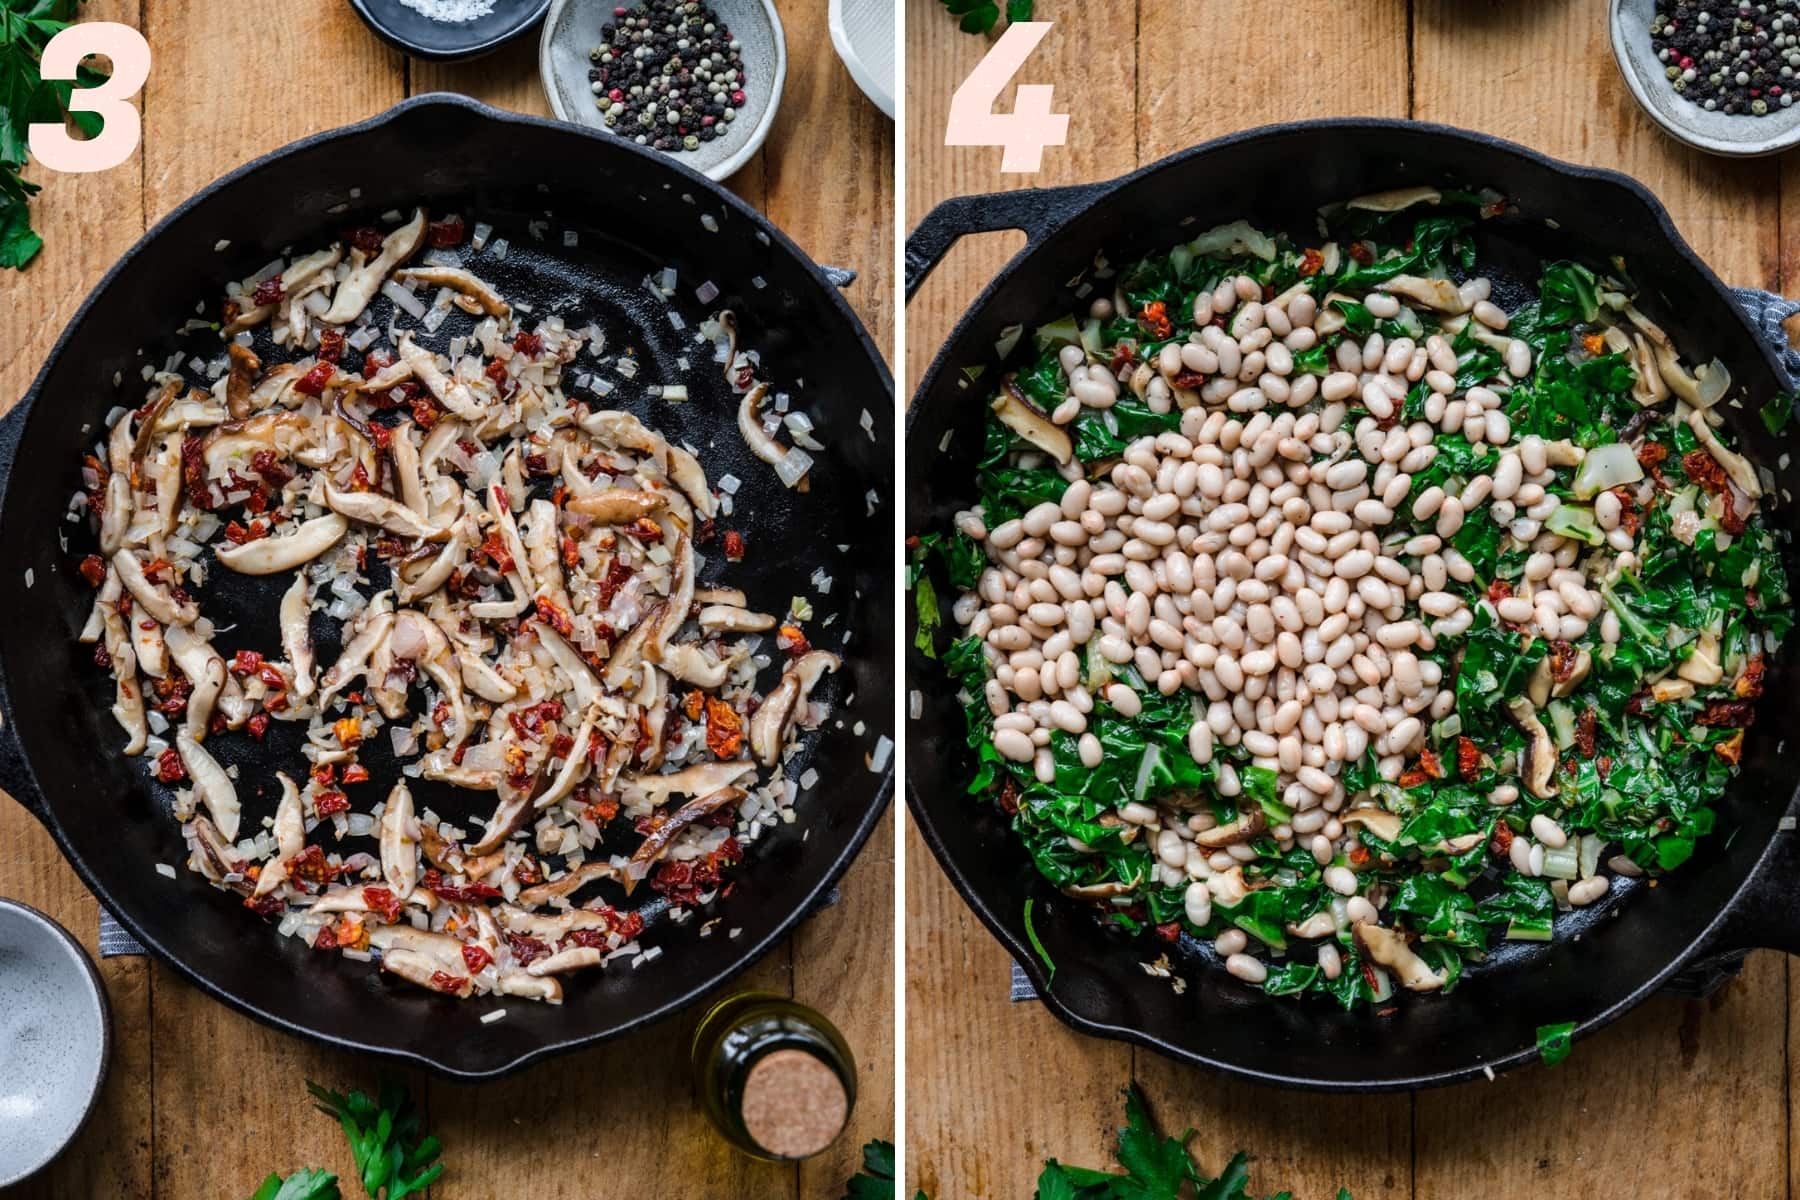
[[572, 29], [54, 1039], [1713, 132]]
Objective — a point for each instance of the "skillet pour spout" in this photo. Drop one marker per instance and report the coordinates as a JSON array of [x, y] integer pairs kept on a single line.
[[1736, 893], [633, 213]]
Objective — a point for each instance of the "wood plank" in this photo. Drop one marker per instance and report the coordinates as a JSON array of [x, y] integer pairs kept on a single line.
[[111, 1155], [1239, 67], [623, 1111], [844, 968], [828, 168], [224, 91], [992, 1087], [1676, 1082], [1087, 47], [86, 221], [1707, 1076], [979, 1120]]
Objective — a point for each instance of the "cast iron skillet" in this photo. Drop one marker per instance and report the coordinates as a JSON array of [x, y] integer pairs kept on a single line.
[[1735, 893], [634, 212]]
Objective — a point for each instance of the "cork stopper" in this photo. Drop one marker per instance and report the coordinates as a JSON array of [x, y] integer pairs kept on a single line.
[[794, 1105]]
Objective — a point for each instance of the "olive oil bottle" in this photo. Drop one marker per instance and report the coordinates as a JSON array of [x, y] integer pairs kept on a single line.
[[773, 1076]]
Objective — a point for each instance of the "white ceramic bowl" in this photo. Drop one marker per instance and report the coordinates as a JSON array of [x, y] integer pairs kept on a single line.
[[863, 33], [572, 29], [1713, 132], [54, 1039]]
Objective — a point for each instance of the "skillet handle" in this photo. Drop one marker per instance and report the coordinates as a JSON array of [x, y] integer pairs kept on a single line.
[[1037, 211], [1766, 914]]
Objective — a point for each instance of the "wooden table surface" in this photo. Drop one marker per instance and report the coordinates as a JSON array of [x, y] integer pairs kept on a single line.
[[201, 1103], [1680, 1098]]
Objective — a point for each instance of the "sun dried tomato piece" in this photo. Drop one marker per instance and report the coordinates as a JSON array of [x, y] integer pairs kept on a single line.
[[269, 291], [1729, 519], [1563, 659], [791, 639], [1704, 470], [446, 232], [381, 900], [450, 985], [266, 907], [1361, 253], [551, 614], [1593, 343], [1468, 757], [366, 238], [169, 767], [1749, 685], [376, 361], [331, 345], [1731, 749], [693, 704], [1311, 262], [327, 939], [527, 950], [1586, 732], [1499, 590], [1501, 843], [529, 344], [476, 958], [310, 866], [330, 802], [315, 379], [93, 570], [193, 472], [493, 549], [348, 731], [1728, 714], [246, 662], [618, 574], [1155, 317], [1170, 932], [356, 773], [724, 729], [258, 725]]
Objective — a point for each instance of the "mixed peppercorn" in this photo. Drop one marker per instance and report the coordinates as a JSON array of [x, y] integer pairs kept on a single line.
[[669, 75], [1729, 57]]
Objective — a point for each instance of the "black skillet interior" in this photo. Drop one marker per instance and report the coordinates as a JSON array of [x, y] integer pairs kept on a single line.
[[632, 215], [1604, 959]]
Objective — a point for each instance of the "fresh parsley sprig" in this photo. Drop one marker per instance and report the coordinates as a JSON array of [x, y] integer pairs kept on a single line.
[[308, 1183], [26, 27], [1156, 1168], [394, 1157], [979, 16]]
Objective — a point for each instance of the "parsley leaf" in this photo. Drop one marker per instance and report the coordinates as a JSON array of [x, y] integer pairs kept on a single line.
[[876, 1179], [1554, 1042], [26, 27], [1156, 1168], [979, 16], [308, 1183], [394, 1157]]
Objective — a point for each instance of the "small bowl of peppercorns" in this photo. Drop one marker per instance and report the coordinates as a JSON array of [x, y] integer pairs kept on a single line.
[[699, 80], [1719, 75]]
